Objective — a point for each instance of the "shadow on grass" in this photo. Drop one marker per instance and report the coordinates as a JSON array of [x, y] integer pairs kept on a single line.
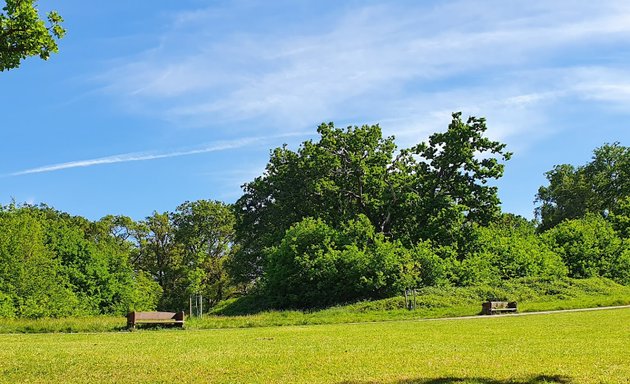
[[541, 379]]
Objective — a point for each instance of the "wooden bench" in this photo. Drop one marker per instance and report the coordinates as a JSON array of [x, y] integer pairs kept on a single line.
[[167, 318], [494, 307]]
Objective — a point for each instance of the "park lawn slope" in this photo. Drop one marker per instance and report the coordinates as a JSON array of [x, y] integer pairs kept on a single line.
[[431, 302], [577, 347]]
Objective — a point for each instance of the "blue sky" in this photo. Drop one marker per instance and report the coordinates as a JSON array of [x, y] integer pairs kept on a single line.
[[153, 103]]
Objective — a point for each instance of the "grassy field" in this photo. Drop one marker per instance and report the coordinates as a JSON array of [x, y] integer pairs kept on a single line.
[[579, 347]]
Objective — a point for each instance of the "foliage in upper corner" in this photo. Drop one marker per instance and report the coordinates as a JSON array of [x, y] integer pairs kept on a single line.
[[23, 33]]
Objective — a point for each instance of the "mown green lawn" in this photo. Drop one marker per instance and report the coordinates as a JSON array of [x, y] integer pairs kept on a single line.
[[580, 347]]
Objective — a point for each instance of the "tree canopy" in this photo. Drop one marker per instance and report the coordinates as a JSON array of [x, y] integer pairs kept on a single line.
[[598, 187], [430, 191], [55, 264], [23, 33]]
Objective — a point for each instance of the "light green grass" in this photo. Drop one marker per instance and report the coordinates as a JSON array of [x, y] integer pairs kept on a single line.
[[580, 347], [64, 325], [432, 302]]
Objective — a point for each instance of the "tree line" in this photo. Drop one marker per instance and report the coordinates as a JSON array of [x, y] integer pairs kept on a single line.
[[347, 217], [55, 264]]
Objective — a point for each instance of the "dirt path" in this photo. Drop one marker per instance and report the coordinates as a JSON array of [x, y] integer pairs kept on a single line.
[[524, 313]]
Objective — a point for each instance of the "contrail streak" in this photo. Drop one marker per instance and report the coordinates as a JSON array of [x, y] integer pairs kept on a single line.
[[137, 156]]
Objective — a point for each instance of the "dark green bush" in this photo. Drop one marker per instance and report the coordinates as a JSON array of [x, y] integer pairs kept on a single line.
[[507, 249], [516, 252], [316, 265], [590, 247]]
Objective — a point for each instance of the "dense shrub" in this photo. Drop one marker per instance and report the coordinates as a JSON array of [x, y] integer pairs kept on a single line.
[[146, 293], [316, 265], [97, 267], [589, 247], [621, 267], [433, 270], [7, 309], [506, 249], [517, 252], [478, 268], [620, 218]]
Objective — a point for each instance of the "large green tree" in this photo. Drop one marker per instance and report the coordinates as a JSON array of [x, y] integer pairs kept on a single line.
[[205, 231], [55, 264], [161, 257], [442, 186], [185, 250], [23, 33], [430, 191], [32, 282], [599, 187], [620, 218], [342, 175]]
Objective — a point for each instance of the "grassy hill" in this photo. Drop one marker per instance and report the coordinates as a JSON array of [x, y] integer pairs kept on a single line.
[[531, 294]]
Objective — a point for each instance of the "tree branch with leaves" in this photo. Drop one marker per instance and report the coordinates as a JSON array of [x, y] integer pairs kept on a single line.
[[23, 33]]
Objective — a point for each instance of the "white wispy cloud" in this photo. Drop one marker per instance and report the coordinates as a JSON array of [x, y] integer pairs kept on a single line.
[[408, 65], [138, 156]]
